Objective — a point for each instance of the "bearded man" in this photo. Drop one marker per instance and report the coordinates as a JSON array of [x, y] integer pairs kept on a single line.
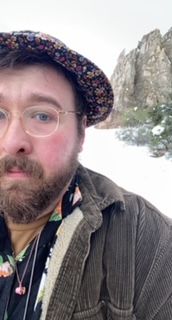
[[73, 244]]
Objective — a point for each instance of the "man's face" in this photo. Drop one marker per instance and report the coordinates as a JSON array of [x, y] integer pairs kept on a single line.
[[35, 171]]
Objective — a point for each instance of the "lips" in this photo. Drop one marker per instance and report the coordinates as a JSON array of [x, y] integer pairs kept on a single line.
[[16, 173], [20, 167]]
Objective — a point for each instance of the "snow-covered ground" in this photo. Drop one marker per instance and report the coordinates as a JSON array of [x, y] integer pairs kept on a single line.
[[130, 167]]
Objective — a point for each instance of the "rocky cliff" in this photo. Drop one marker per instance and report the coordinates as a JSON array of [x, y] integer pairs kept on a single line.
[[143, 77]]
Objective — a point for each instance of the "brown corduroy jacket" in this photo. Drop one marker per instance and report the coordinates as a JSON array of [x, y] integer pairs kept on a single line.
[[112, 260]]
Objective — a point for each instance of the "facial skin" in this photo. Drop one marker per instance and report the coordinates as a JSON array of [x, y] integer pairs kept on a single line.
[[35, 172]]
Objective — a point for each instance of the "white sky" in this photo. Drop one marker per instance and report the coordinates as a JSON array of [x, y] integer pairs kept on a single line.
[[99, 29]]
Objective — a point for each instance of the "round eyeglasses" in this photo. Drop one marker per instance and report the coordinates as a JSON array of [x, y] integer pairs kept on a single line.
[[37, 121]]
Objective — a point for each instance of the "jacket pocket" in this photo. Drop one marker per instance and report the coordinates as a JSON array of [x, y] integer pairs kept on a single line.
[[118, 314], [104, 311], [96, 313]]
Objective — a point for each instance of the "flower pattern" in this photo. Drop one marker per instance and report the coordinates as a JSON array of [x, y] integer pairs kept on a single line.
[[6, 269]]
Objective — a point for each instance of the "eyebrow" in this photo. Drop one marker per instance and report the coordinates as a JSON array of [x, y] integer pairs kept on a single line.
[[38, 98], [44, 98]]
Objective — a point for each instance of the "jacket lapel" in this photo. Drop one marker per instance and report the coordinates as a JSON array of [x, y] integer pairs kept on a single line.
[[66, 267]]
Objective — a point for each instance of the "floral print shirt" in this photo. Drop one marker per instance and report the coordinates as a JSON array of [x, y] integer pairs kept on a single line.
[[12, 305]]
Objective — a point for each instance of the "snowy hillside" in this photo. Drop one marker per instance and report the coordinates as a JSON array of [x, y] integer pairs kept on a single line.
[[129, 166]]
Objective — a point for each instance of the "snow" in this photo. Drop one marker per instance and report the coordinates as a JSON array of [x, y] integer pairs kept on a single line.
[[131, 167], [157, 130]]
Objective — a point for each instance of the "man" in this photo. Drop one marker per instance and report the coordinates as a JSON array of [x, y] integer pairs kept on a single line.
[[73, 245]]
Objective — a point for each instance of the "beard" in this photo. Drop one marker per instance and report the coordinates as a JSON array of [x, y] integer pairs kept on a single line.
[[24, 201]]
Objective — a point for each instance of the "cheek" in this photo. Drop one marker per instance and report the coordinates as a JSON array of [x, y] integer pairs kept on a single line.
[[55, 152]]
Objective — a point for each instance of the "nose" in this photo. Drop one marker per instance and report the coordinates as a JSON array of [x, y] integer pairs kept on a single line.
[[15, 140]]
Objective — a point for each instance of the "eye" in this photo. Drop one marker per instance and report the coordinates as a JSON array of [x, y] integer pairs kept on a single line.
[[43, 117], [40, 116]]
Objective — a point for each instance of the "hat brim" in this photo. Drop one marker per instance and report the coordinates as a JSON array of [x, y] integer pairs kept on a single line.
[[92, 82]]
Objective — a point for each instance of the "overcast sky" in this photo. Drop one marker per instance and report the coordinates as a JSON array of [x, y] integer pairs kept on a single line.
[[99, 29]]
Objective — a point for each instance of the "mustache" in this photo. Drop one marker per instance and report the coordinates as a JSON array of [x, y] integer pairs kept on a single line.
[[28, 166]]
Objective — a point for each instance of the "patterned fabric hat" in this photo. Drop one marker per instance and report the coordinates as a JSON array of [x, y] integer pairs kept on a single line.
[[92, 82]]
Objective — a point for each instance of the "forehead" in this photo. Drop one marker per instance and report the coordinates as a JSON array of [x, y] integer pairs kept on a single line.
[[26, 82]]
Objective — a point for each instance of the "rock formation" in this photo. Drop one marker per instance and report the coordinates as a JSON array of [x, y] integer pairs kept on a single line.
[[143, 77]]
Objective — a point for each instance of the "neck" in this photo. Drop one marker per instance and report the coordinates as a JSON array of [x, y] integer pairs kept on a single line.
[[22, 234]]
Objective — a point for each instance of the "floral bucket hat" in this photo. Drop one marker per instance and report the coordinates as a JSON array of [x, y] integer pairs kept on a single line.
[[92, 82]]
